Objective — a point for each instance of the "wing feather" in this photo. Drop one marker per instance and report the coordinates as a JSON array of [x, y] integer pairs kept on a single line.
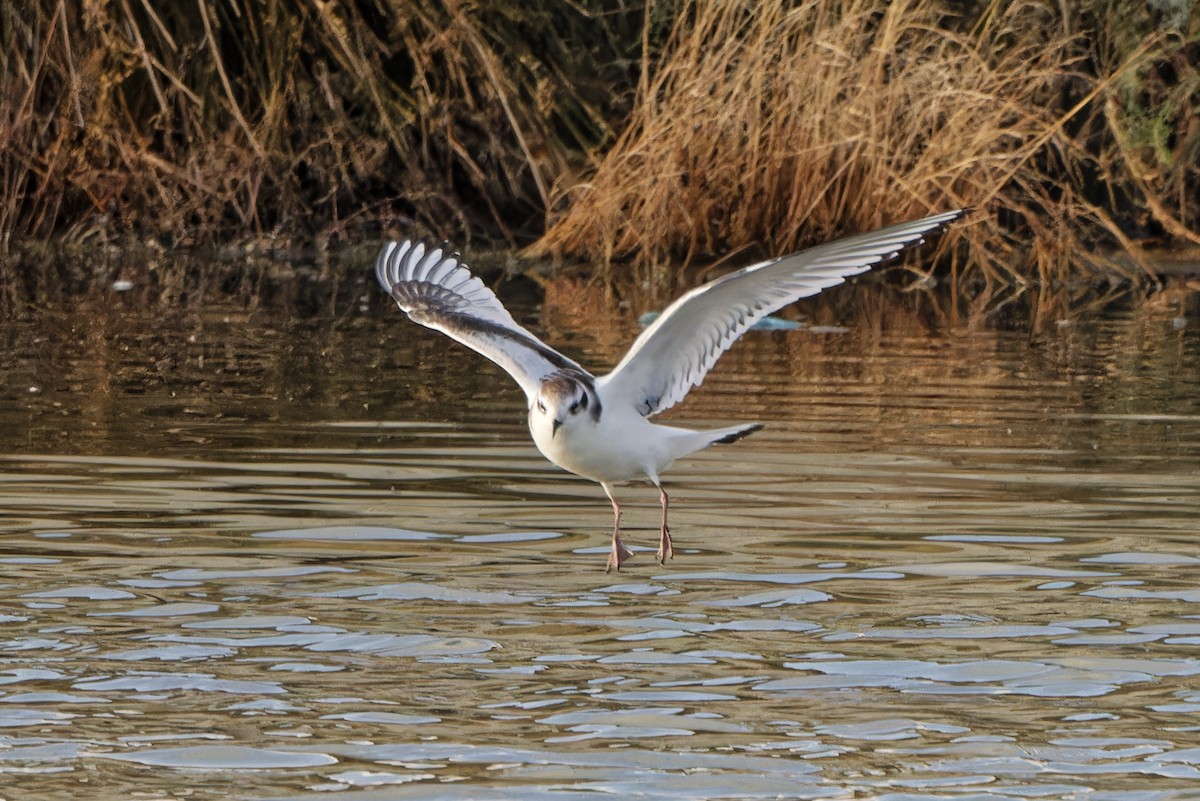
[[438, 291], [676, 352]]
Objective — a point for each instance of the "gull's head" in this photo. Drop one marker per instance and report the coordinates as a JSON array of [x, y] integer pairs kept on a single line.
[[563, 400]]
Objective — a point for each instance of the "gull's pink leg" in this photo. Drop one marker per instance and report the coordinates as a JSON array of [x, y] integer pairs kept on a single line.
[[619, 552], [665, 551]]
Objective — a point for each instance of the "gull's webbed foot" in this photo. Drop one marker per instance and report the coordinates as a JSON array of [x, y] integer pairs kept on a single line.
[[665, 550], [617, 555]]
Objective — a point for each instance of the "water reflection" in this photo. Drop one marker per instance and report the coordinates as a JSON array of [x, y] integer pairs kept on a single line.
[[320, 555]]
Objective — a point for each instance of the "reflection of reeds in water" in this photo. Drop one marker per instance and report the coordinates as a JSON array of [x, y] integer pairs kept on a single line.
[[900, 370]]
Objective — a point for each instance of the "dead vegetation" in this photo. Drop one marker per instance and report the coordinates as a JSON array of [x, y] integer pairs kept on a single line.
[[629, 136], [786, 125], [212, 119]]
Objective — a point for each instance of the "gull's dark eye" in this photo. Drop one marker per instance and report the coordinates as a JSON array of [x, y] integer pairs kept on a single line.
[[541, 407], [574, 407]]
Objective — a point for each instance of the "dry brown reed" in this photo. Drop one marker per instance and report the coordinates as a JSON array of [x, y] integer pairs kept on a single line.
[[779, 125], [214, 118], [644, 133]]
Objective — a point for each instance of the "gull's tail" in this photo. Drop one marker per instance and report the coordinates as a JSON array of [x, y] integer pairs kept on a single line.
[[724, 436], [693, 441]]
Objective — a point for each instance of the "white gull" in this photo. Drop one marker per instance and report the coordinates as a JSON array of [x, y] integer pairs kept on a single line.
[[599, 427]]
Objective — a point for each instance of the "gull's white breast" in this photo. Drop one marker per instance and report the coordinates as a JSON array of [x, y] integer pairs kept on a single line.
[[620, 446]]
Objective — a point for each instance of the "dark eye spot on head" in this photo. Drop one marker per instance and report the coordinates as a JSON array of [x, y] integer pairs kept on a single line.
[[574, 407], [583, 402], [541, 407]]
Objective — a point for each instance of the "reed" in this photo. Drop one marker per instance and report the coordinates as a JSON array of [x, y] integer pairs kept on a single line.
[[629, 135], [197, 121], [781, 125]]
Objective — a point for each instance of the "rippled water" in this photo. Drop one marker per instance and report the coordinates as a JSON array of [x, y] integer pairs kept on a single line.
[[247, 554]]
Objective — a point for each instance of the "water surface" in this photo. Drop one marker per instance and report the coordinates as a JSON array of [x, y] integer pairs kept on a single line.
[[257, 554]]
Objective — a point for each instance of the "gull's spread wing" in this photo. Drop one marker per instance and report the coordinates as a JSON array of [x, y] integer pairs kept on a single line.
[[674, 354], [439, 292]]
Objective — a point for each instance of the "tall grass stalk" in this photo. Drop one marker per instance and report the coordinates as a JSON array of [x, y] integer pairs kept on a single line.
[[213, 118], [628, 134], [779, 125]]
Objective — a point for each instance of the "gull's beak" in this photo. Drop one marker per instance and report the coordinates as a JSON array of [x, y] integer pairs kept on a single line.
[[554, 427]]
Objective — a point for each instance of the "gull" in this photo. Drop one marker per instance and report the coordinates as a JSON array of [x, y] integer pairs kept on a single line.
[[599, 427]]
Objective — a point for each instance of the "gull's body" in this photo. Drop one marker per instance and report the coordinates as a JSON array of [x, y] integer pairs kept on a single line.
[[599, 427], [599, 449]]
